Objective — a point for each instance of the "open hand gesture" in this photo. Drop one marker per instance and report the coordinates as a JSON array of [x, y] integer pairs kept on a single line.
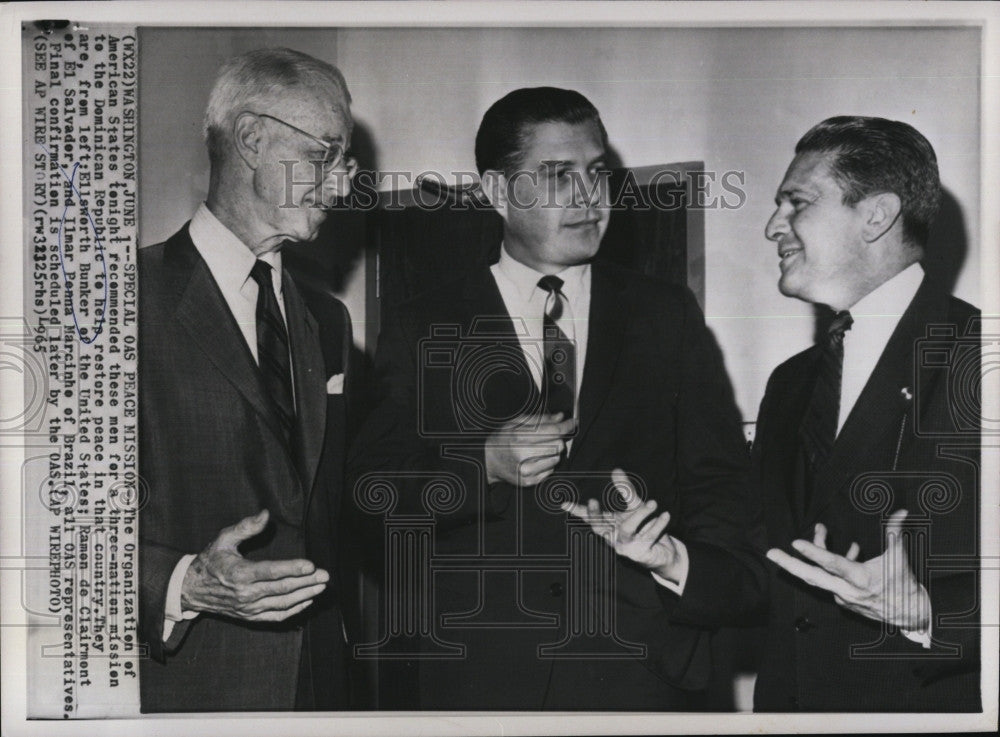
[[882, 588], [222, 581], [633, 533]]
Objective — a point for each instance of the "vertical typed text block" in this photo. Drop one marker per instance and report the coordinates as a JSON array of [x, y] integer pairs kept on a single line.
[[80, 487]]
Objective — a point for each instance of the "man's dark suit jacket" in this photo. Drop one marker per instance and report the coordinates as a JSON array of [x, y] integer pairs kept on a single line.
[[655, 401], [918, 453], [211, 454]]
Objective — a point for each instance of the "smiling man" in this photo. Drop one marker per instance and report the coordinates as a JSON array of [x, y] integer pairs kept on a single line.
[[867, 445], [522, 386], [242, 438]]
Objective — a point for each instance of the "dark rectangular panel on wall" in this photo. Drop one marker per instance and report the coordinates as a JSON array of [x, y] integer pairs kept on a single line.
[[648, 230], [416, 239], [420, 241], [419, 248]]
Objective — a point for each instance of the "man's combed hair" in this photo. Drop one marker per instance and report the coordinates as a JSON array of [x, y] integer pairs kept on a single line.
[[250, 79], [504, 130], [873, 155]]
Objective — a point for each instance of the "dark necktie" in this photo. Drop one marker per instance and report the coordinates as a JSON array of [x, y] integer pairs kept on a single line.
[[819, 423], [272, 349], [559, 377]]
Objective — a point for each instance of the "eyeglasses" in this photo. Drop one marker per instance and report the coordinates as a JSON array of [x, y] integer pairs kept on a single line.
[[334, 151]]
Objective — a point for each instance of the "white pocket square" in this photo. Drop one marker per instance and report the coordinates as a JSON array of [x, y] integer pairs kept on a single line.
[[335, 384]]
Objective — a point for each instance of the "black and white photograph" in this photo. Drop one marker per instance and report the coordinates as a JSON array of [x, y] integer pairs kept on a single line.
[[500, 367]]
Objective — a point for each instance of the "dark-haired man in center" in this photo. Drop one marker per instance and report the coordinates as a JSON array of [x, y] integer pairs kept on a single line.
[[563, 369]]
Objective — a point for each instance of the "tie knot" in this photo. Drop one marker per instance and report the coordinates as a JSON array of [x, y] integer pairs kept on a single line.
[[551, 284], [842, 322], [261, 273]]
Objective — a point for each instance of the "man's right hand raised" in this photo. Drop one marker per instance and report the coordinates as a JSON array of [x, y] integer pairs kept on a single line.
[[526, 450], [221, 581]]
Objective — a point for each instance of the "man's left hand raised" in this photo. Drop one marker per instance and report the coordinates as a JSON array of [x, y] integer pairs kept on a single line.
[[633, 534], [882, 588]]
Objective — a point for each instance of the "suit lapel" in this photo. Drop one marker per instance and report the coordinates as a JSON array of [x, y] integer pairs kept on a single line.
[[203, 312], [310, 381], [609, 316], [878, 415], [507, 392]]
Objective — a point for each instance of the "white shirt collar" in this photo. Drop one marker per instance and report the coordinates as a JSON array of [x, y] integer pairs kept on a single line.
[[890, 299], [229, 259], [525, 279]]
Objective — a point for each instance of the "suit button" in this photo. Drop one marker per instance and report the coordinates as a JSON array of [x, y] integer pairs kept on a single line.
[[556, 589], [803, 625], [794, 701]]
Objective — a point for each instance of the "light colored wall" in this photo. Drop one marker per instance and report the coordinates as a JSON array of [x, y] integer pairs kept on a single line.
[[738, 99]]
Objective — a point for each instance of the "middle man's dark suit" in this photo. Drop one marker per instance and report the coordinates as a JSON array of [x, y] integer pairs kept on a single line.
[[655, 401]]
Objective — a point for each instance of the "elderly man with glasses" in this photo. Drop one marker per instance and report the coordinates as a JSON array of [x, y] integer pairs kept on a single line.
[[242, 421]]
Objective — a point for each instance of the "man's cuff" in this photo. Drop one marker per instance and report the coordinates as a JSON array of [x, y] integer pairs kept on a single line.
[[922, 637], [677, 586], [172, 610]]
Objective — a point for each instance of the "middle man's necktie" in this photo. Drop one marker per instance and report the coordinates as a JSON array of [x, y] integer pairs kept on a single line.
[[559, 377], [272, 349]]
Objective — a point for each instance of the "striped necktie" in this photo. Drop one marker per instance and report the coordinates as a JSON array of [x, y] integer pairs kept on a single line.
[[559, 380], [272, 350], [819, 422]]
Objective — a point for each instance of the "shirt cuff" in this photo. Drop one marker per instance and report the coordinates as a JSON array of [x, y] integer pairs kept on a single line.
[[676, 586], [923, 637], [172, 610]]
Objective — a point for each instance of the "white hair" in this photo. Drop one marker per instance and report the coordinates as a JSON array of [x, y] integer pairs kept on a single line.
[[256, 76]]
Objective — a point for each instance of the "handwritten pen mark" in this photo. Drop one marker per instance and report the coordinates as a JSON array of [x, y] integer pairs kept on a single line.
[[99, 320]]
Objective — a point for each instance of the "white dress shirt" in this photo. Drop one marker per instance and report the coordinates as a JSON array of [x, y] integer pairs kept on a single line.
[[525, 303], [230, 262], [876, 316]]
